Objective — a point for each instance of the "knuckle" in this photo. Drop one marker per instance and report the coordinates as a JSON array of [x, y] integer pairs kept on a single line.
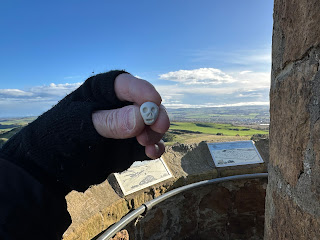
[[117, 124], [111, 124]]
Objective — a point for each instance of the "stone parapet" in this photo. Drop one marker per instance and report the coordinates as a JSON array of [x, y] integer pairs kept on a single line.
[[231, 210], [99, 207]]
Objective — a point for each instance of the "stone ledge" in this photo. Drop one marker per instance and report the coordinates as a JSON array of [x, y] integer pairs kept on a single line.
[[99, 207]]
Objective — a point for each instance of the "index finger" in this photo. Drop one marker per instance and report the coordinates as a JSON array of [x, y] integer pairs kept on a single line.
[[132, 89]]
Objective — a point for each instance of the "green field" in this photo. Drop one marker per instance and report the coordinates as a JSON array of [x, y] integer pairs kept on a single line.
[[244, 115], [215, 128], [10, 126], [193, 132], [17, 121]]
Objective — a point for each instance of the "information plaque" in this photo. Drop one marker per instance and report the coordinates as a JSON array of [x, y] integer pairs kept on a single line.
[[142, 174], [226, 154]]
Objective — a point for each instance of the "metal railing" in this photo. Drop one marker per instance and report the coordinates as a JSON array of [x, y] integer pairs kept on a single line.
[[142, 210]]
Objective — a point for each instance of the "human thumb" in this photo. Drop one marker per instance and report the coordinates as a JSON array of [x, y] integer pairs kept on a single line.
[[119, 123]]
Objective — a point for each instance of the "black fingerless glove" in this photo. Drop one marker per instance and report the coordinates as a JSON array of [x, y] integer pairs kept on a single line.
[[62, 149]]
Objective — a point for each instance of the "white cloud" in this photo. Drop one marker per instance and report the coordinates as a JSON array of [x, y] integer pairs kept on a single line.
[[55, 89], [14, 93], [180, 90], [241, 81], [33, 101], [237, 89], [203, 76], [250, 79], [181, 105], [203, 87], [50, 91], [244, 72]]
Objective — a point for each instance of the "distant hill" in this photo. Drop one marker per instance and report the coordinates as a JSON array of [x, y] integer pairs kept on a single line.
[[5, 126], [10, 126], [243, 115], [5, 136], [10, 133]]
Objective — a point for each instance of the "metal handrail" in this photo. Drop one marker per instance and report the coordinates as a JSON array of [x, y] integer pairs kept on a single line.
[[148, 205]]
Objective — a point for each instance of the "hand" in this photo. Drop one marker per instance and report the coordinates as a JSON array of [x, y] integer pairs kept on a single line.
[[127, 122]]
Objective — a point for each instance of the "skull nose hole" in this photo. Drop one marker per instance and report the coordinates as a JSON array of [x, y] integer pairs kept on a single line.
[[145, 109]]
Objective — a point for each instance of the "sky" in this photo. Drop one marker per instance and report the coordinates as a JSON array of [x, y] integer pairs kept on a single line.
[[197, 53]]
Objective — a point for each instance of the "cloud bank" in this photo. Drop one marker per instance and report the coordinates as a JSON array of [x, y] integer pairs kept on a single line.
[[33, 101], [202, 87], [201, 76], [210, 87]]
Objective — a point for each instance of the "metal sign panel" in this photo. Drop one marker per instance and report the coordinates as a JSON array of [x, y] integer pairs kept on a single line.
[[142, 174], [226, 154]]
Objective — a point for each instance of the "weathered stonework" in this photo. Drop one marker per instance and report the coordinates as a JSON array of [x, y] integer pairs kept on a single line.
[[292, 222], [122, 235], [233, 210], [295, 30], [314, 161], [293, 192], [290, 96]]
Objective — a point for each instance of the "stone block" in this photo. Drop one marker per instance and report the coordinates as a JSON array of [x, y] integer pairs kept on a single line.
[[218, 201], [296, 29], [154, 224], [122, 235], [290, 97], [262, 146], [314, 163], [287, 220], [250, 198]]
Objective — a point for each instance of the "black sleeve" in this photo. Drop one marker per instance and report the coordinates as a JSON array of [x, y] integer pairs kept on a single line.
[[62, 151], [28, 210]]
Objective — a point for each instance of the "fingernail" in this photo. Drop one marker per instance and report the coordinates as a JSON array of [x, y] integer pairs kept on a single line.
[[156, 147], [131, 119]]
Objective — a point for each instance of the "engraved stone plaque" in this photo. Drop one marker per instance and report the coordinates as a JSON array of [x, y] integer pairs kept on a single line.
[[142, 174], [234, 153]]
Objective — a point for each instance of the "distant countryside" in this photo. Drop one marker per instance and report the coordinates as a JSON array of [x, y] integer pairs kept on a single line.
[[244, 115], [190, 124]]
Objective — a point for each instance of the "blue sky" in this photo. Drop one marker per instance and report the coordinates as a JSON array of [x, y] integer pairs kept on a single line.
[[197, 53]]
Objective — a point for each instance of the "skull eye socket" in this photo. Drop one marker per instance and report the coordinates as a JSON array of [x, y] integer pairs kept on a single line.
[[145, 109], [153, 109]]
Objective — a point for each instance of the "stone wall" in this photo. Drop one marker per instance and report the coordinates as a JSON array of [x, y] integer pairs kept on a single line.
[[293, 194], [233, 209]]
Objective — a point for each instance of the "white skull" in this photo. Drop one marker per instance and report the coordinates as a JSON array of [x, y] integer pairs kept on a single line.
[[149, 112]]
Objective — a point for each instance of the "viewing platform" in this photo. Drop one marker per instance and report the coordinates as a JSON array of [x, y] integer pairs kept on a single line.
[[234, 208]]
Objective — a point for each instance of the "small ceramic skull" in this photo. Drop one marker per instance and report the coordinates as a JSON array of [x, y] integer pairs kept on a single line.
[[149, 112]]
